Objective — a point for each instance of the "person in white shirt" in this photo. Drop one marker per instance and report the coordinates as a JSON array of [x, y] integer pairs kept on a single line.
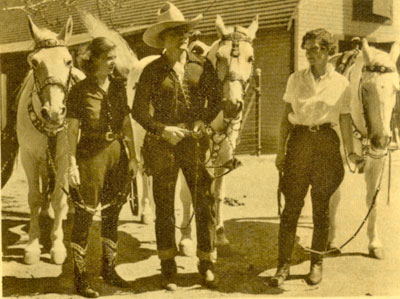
[[316, 100]]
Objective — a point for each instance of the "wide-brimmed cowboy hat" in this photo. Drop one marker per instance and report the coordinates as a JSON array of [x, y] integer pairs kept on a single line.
[[168, 16]]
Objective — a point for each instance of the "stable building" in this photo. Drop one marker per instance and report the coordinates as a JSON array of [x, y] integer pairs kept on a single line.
[[282, 24]]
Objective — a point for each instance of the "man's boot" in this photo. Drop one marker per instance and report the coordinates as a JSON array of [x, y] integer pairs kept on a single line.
[[168, 274], [206, 269], [282, 273], [80, 274], [109, 274]]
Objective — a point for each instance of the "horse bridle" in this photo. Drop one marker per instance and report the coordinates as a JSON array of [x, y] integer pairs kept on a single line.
[[39, 86], [370, 69], [236, 37]]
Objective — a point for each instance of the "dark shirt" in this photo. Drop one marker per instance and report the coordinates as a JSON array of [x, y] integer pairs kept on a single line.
[[89, 103], [172, 102]]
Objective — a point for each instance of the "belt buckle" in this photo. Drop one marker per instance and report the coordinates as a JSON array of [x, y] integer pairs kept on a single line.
[[314, 128], [109, 136]]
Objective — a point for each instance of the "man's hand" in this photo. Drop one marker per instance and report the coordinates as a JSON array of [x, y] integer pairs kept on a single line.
[[174, 134], [199, 126]]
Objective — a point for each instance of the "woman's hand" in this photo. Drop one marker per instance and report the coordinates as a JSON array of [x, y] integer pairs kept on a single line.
[[73, 176], [174, 134], [280, 161], [133, 167]]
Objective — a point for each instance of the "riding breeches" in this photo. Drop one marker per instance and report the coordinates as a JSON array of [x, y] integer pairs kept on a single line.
[[163, 162], [312, 159], [104, 179]]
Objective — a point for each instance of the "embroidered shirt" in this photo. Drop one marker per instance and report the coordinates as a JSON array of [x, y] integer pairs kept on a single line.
[[173, 102], [316, 102]]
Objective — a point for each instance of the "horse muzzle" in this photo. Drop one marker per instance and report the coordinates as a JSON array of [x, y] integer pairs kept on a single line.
[[232, 108], [53, 117]]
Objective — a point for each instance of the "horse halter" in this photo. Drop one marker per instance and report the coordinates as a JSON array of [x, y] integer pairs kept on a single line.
[[371, 69], [39, 86], [236, 37]]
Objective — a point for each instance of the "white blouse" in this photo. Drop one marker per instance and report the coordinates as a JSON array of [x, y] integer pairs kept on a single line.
[[316, 102]]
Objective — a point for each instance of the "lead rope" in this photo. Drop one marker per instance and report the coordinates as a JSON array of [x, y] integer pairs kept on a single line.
[[361, 225]]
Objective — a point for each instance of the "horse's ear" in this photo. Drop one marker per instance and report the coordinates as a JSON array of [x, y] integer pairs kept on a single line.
[[366, 51], [34, 31], [220, 26], [253, 28], [395, 51], [66, 32]]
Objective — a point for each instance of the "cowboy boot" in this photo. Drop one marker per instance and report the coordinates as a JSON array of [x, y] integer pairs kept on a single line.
[[80, 274], [206, 269], [109, 274], [168, 274], [315, 275], [282, 273]]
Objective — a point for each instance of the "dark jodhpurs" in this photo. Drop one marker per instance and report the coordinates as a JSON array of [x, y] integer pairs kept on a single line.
[[163, 161], [104, 178], [313, 158]]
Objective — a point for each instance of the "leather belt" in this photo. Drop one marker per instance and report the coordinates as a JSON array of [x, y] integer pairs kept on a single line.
[[108, 136], [315, 128]]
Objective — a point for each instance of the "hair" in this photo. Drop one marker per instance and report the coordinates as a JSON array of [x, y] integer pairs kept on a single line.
[[93, 50], [322, 37]]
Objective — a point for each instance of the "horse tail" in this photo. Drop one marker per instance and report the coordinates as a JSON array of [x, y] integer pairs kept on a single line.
[[9, 141]]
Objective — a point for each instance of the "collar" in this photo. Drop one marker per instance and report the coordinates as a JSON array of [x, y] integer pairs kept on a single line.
[[329, 71]]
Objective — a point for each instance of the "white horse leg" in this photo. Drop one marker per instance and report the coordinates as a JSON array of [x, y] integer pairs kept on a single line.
[[373, 171], [32, 249], [144, 193], [182, 192], [219, 195], [333, 207]]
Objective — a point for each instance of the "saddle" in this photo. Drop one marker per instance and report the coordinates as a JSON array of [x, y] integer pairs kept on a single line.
[[346, 60]]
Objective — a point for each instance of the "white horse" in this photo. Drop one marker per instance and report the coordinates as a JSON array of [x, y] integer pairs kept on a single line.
[[374, 83], [232, 56], [41, 134]]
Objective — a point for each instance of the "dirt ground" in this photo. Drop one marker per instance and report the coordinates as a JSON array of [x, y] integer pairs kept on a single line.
[[243, 271]]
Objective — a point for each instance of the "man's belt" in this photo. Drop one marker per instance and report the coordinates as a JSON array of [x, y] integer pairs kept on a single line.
[[315, 128], [108, 136]]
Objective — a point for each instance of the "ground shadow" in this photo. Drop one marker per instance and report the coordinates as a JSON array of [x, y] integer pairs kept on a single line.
[[17, 284]]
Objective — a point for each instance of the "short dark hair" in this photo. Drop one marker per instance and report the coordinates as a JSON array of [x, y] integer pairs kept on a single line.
[[322, 37], [94, 49]]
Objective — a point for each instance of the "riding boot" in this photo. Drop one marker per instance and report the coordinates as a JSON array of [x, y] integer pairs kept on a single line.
[[168, 274], [109, 274], [206, 269], [315, 275], [282, 273], [80, 279]]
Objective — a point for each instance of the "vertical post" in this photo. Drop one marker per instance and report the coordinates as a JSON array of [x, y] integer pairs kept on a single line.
[[3, 97], [258, 109]]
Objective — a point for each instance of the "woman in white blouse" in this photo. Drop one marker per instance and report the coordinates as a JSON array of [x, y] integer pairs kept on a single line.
[[316, 100]]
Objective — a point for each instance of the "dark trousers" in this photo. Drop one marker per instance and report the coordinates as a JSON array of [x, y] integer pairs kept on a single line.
[[104, 179], [313, 158], [163, 162]]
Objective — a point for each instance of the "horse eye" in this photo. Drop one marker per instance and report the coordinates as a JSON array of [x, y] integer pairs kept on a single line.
[[251, 59], [68, 62]]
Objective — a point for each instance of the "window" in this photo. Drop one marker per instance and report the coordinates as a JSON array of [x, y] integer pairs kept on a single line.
[[376, 11]]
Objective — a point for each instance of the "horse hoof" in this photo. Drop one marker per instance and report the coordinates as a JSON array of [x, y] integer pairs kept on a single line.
[[58, 257], [146, 219], [32, 257], [186, 247], [377, 253], [221, 238]]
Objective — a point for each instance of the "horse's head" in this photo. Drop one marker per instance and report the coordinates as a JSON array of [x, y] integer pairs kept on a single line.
[[379, 85], [233, 58], [51, 64]]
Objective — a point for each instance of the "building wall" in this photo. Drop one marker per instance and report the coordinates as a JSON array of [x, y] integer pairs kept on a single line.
[[336, 16]]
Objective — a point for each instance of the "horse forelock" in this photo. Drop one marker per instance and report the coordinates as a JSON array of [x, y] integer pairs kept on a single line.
[[381, 58]]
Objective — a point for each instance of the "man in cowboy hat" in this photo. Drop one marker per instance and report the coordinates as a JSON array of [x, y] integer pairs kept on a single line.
[[182, 104]]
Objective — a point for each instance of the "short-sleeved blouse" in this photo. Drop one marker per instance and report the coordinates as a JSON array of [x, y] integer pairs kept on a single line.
[[316, 102]]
